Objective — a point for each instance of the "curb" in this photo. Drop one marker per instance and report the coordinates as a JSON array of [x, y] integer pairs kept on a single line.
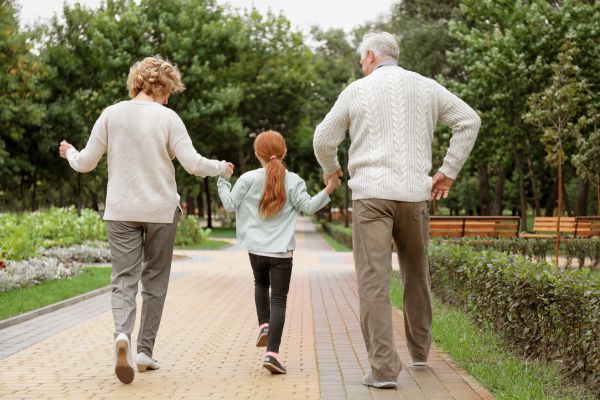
[[52, 307]]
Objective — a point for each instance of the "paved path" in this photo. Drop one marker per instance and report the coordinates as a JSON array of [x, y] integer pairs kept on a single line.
[[206, 341]]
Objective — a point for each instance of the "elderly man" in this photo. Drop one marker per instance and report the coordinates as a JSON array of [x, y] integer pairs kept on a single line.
[[391, 115]]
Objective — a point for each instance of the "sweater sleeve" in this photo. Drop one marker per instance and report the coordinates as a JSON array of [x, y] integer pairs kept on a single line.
[[330, 133], [232, 198], [464, 122], [180, 146], [302, 201], [87, 159]]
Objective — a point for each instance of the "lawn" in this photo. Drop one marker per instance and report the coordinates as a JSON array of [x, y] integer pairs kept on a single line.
[[223, 233], [19, 301], [482, 353], [206, 245]]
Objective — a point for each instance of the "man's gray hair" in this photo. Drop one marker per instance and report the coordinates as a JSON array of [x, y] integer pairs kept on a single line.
[[382, 44]]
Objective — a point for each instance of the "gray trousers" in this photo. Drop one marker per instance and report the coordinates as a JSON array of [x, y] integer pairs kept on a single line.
[[375, 224], [140, 251]]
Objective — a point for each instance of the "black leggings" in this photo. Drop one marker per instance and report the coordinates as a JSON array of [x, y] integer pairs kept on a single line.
[[276, 273]]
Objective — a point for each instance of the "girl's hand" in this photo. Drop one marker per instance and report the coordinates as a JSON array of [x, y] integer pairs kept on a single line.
[[64, 147], [332, 183]]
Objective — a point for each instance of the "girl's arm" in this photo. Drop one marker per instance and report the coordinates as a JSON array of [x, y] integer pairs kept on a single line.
[[302, 201], [232, 198]]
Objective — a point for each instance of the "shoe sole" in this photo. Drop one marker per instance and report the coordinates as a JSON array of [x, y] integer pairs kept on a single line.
[[262, 340], [123, 370], [274, 369], [144, 368]]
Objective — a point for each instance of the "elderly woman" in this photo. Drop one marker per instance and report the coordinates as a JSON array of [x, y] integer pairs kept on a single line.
[[141, 137]]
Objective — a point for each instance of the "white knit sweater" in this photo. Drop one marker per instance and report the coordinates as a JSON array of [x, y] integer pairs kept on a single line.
[[391, 115], [141, 138]]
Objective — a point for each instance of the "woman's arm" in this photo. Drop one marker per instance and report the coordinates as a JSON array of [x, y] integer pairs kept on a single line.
[[180, 145], [88, 158]]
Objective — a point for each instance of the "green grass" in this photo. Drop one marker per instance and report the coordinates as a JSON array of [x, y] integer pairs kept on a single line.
[[482, 353], [207, 245], [223, 233], [19, 301], [337, 246]]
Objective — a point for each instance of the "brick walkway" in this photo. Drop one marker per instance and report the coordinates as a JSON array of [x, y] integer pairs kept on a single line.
[[206, 341]]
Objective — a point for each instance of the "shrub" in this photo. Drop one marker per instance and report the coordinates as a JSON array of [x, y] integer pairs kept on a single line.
[[21, 235], [541, 310], [189, 231], [339, 233]]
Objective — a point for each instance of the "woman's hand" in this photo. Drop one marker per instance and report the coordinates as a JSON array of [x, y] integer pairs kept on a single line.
[[228, 170], [64, 147], [332, 183]]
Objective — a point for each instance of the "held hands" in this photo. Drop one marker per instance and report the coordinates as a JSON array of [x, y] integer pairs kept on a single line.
[[64, 147], [229, 167], [337, 174], [332, 181], [441, 185]]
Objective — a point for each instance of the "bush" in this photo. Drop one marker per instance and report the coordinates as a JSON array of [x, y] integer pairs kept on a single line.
[[189, 231], [542, 311]]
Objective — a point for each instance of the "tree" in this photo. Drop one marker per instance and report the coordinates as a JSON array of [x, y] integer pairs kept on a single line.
[[557, 112]]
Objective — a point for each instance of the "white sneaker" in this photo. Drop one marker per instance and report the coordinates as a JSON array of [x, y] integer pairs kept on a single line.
[[368, 380], [123, 359], [419, 363], [144, 362]]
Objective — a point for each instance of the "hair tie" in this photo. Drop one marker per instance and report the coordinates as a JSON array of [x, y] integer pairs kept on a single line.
[[273, 157]]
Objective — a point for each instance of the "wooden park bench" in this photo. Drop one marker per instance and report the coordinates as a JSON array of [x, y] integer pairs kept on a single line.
[[474, 226], [545, 227], [587, 227]]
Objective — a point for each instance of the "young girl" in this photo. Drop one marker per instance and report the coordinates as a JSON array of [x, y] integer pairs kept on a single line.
[[267, 202]]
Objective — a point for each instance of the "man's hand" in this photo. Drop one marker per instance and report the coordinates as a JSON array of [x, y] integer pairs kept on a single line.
[[64, 147], [440, 186], [337, 174], [228, 170]]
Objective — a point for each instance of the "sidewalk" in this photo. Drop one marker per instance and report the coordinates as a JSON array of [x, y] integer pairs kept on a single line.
[[206, 341]]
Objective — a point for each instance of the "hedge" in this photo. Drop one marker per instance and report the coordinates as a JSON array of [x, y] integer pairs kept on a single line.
[[339, 232], [542, 311]]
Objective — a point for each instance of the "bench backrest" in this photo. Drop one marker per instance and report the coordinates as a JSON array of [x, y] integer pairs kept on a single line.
[[473, 226], [548, 224], [588, 227]]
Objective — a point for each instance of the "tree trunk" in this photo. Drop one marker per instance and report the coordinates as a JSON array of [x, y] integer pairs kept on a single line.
[[191, 204], [536, 197], [200, 202], [598, 200], [208, 205], [551, 201], [566, 200], [559, 208], [33, 195], [522, 199], [499, 191], [61, 192], [583, 188], [95, 201], [484, 190]]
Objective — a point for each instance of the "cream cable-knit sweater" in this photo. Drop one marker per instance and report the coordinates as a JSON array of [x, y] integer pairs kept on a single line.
[[391, 115], [141, 138]]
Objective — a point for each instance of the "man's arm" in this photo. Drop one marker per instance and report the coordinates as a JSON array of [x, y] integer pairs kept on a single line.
[[464, 122], [330, 133]]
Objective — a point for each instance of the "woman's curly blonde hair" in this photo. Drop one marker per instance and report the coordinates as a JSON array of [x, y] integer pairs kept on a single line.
[[155, 76]]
